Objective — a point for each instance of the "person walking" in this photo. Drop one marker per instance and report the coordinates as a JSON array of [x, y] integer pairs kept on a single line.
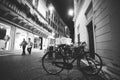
[[29, 47], [23, 44]]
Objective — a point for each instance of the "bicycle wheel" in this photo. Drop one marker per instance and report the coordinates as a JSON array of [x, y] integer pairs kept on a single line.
[[91, 66], [48, 63], [88, 66], [97, 60]]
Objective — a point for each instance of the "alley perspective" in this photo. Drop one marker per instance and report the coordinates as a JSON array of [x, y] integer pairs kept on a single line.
[[59, 40]]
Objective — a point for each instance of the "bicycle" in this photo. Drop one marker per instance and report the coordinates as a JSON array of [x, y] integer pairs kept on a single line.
[[61, 56]]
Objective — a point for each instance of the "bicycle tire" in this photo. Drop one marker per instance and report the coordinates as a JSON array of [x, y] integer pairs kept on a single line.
[[49, 65], [88, 58], [97, 60]]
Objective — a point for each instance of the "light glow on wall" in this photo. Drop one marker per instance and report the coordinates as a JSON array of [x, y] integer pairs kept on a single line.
[[70, 12], [51, 8]]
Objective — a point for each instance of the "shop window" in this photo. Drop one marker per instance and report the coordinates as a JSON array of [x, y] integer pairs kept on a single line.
[[2, 33], [38, 42], [4, 36], [89, 11], [19, 36]]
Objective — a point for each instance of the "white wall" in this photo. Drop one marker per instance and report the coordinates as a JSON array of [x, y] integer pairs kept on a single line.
[[82, 22], [42, 7]]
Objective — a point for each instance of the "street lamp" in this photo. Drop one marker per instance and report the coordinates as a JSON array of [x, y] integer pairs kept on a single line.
[[70, 12]]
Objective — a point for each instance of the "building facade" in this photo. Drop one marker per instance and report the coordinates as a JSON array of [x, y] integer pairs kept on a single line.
[[60, 29], [24, 19], [97, 23]]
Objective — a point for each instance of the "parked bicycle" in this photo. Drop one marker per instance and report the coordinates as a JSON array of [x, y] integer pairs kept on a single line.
[[63, 57]]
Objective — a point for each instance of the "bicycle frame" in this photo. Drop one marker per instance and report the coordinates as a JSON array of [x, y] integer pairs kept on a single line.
[[79, 56]]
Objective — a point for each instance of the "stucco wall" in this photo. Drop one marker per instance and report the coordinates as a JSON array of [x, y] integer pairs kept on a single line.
[[80, 24]]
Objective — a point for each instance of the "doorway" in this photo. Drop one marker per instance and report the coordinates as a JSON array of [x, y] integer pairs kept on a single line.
[[91, 38], [79, 37]]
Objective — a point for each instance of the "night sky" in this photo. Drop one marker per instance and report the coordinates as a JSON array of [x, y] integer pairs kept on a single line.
[[62, 7]]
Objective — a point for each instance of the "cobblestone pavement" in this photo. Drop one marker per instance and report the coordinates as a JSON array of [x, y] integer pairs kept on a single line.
[[17, 67]]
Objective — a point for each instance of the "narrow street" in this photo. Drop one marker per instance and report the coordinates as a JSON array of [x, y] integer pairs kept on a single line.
[[17, 67], [29, 67], [41, 25]]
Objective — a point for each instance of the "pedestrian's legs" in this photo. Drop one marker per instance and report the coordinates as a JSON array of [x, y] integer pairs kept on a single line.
[[29, 50], [23, 53]]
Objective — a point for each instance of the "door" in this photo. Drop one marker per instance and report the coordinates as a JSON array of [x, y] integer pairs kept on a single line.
[[91, 38]]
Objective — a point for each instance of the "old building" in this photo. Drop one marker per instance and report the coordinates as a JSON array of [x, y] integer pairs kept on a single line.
[[55, 21], [27, 19], [97, 23]]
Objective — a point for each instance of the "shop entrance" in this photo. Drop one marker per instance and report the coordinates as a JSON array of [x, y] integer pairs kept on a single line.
[[38, 42], [19, 36]]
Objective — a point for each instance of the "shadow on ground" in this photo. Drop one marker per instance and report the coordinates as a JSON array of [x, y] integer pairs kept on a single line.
[[77, 75]]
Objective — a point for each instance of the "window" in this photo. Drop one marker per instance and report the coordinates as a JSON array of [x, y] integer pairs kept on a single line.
[[49, 20], [46, 15], [89, 11], [79, 37]]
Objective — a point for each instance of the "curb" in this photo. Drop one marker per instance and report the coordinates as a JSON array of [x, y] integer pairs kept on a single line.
[[16, 52]]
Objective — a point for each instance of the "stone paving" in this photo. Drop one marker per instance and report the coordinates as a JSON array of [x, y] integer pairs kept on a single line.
[[28, 67]]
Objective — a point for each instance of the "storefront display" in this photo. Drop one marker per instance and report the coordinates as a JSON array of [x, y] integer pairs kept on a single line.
[[19, 36], [5, 36], [11, 40], [45, 43], [37, 42]]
